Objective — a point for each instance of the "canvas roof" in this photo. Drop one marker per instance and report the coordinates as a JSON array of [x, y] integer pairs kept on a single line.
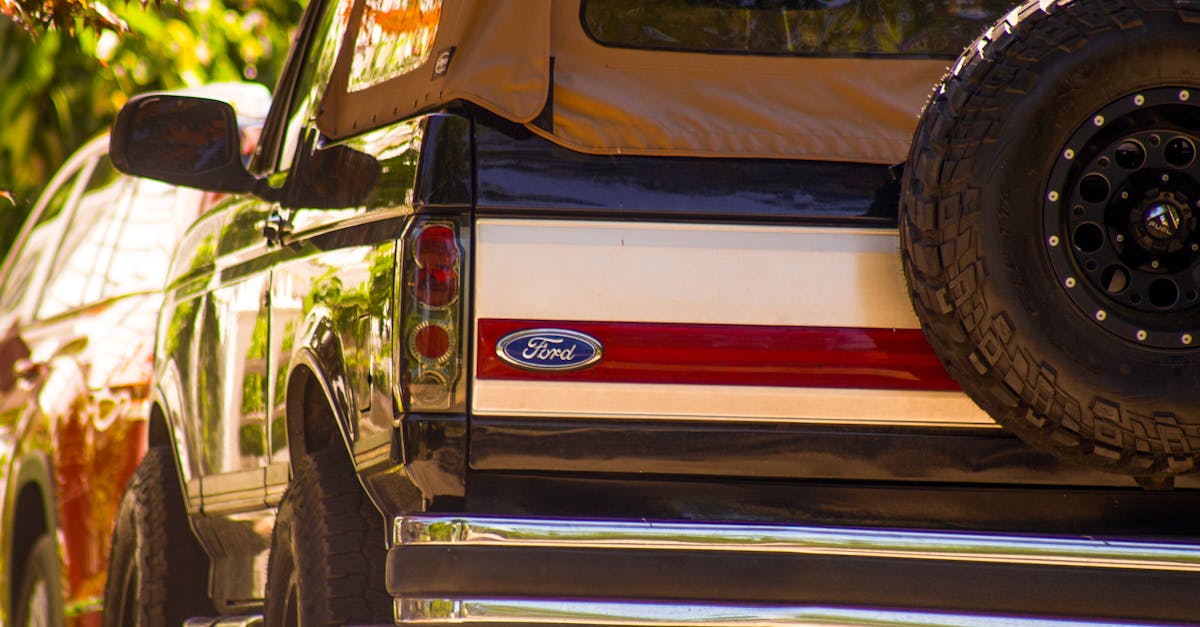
[[609, 100]]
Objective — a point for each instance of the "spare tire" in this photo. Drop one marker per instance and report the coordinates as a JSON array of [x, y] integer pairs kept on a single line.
[[1050, 226]]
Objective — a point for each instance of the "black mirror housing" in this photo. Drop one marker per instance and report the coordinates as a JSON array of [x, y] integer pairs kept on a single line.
[[183, 140]]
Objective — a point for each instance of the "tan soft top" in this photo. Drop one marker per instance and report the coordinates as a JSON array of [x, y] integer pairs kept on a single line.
[[608, 100]]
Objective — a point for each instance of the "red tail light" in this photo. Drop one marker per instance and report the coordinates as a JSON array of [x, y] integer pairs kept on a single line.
[[437, 247], [435, 251], [432, 342], [435, 287], [432, 378]]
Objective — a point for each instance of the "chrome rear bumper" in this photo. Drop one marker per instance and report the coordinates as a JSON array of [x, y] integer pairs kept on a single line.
[[509, 570], [496, 612]]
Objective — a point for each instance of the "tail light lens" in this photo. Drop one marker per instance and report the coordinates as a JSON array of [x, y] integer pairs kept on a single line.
[[435, 287], [432, 343], [437, 246], [432, 378]]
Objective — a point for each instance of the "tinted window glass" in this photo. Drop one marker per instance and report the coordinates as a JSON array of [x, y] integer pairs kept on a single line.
[[78, 271], [794, 27], [151, 225], [395, 37], [310, 77], [40, 241]]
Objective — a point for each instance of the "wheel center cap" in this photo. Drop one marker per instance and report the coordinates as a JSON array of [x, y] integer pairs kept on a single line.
[[1162, 220]]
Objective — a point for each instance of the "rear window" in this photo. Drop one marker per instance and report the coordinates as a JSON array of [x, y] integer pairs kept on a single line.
[[919, 28], [395, 38]]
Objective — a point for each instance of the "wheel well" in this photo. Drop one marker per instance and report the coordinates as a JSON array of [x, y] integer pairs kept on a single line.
[[158, 433], [310, 419], [29, 523]]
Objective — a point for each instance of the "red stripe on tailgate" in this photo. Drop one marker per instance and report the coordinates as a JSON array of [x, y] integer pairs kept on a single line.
[[717, 354]]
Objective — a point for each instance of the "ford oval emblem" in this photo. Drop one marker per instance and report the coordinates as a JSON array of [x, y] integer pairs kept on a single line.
[[555, 350]]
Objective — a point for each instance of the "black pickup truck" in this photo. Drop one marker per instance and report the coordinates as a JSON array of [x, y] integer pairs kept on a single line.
[[691, 312]]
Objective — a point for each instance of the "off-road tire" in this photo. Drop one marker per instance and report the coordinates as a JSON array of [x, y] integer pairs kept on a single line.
[[157, 572], [42, 579], [980, 266], [328, 557]]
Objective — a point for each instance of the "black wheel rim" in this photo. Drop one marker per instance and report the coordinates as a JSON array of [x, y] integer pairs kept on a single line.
[[1121, 213]]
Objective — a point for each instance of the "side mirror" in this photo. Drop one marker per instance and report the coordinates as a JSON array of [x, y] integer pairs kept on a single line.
[[183, 140]]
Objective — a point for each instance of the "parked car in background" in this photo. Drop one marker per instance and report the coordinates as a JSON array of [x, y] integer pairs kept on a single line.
[[79, 295], [596, 311]]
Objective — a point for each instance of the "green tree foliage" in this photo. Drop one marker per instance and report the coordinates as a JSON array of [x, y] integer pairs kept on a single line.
[[67, 66]]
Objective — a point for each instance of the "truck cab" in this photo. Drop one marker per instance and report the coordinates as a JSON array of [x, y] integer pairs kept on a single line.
[[583, 311]]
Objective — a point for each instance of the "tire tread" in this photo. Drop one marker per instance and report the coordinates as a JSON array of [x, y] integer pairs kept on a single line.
[[329, 525], [945, 268]]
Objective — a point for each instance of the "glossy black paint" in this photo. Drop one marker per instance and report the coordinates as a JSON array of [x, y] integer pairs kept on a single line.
[[433, 449], [918, 505], [775, 450], [333, 177], [445, 178], [868, 476], [519, 171]]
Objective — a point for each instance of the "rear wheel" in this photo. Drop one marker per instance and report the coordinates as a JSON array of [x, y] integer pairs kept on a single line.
[[40, 600], [328, 558], [1049, 227], [157, 574]]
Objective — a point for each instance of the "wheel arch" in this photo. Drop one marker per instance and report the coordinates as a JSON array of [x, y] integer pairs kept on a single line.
[[166, 402], [317, 402], [31, 516], [158, 432]]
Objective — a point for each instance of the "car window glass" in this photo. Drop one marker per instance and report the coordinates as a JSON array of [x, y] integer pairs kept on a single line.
[[148, 230], [76, 277], [794, 27], [394, 38], [313, 74], [39, 242]]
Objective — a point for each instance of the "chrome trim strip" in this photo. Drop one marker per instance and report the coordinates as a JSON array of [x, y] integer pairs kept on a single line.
[[843, 541], [584, 612], [253, 620]]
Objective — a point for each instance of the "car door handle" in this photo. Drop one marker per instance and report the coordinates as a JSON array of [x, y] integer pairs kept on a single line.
[[275, 228]]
